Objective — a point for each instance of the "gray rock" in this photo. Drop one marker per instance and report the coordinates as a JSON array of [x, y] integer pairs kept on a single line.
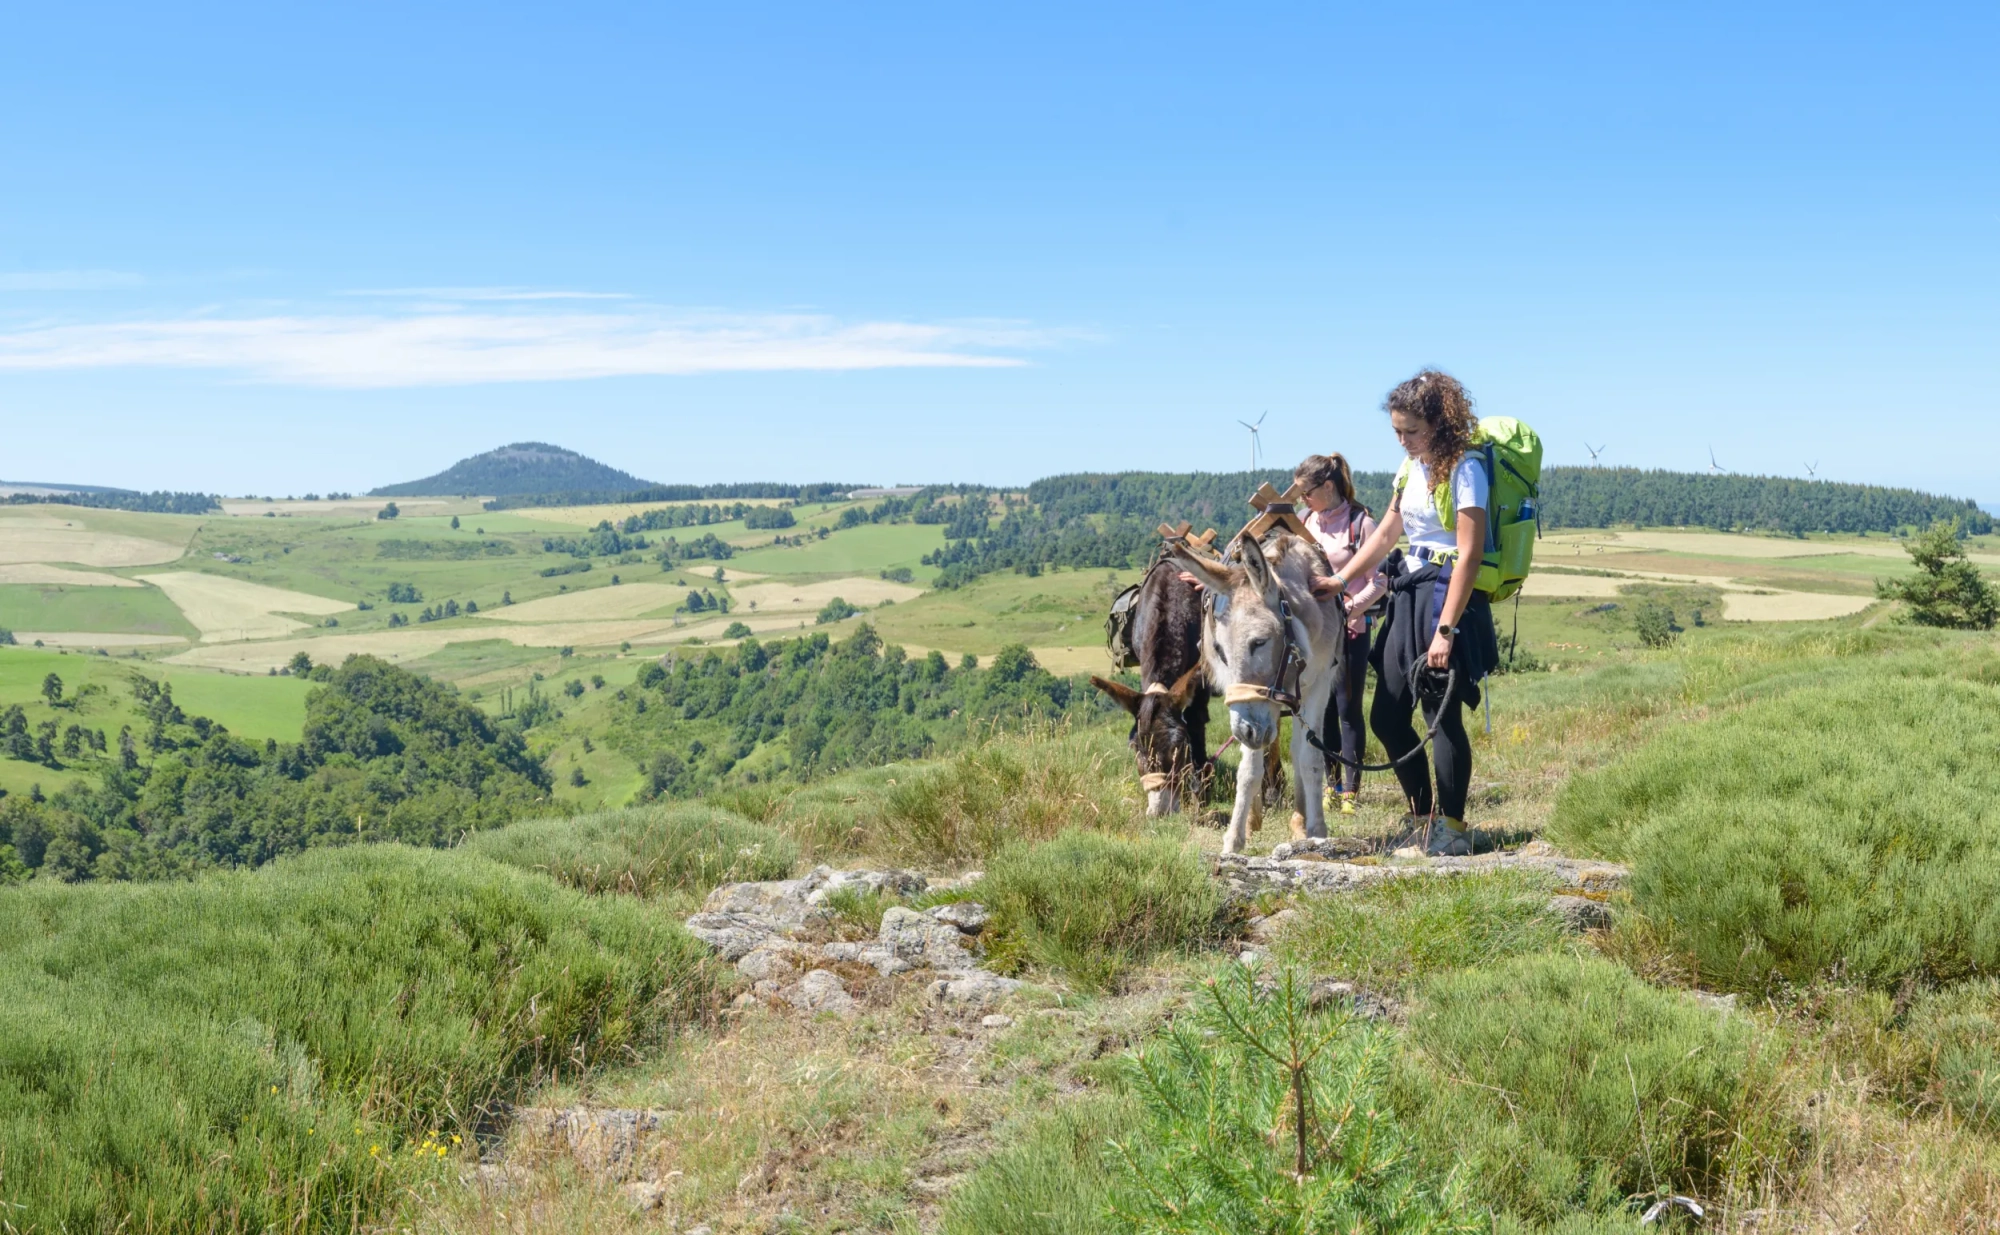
[[781, 902], [1251, 956], [645, 1194], [1324, 847], [968, 916], [1580, 913], [978, 988], [922, 941], [1362, 1002], [826, 881], [996, 1021], [821, 991], [1265, 930], [1724, 1004], [602, 1140], [733, 935], [773, 958]]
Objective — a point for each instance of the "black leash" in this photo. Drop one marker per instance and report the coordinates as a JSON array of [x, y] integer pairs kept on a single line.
[[1417, 668]]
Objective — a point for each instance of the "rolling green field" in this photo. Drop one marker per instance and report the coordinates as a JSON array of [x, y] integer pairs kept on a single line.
[[865, 550], [106, 610], [98, 695]]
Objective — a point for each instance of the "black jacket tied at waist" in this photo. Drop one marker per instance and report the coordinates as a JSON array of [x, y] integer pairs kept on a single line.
[[1416, 602]]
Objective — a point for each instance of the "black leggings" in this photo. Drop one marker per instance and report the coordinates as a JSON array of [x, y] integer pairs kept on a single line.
[[1451, 751], [1344, 711]]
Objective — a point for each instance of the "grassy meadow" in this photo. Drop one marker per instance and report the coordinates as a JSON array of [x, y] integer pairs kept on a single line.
[[1794, 1015], [1798, 839]]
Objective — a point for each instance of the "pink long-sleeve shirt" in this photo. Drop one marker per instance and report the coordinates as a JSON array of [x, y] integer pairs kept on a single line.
[[1334, 529]]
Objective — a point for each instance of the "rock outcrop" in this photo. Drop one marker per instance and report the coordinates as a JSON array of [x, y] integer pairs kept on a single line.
[[780, 935]]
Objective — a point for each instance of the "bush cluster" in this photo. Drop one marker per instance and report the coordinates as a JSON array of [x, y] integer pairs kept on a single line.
[[278, 1045]]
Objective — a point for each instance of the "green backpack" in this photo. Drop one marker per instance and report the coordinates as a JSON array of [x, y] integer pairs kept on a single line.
[[1512, 453]]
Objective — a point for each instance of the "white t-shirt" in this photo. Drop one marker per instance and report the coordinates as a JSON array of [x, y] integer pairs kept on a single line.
[[1420, 520]]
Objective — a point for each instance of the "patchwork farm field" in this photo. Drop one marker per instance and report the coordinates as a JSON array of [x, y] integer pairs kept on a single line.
[[268, 580]]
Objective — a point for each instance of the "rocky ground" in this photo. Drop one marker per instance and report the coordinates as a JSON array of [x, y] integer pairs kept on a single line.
[[804, 955]]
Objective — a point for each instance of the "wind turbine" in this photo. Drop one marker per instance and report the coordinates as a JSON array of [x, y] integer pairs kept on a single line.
[[1596, 450], [1714, 468], [1256, 440], [1812, 469]]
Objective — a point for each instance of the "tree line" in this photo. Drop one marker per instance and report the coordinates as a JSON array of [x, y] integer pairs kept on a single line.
[[690, 722], [674, 493], [161, 502], [1108, 520]]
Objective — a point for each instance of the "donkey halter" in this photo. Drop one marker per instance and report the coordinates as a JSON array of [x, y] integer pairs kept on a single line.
[[1291, 661]]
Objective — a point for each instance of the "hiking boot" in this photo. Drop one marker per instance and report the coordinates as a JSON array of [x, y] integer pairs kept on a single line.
[[1447, 841], [1409, 830]]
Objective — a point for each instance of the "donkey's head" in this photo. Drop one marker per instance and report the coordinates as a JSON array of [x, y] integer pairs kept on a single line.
[[1244, 638], [1160, 738]]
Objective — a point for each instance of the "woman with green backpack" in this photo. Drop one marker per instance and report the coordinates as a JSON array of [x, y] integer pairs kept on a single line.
[[1437, 640]]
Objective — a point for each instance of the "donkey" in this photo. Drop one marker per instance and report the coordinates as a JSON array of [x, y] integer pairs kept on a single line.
[[1263, 623], [1169, 716]]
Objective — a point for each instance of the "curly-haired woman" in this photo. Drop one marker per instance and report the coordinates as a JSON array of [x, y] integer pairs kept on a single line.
[[1436, 621], [1341, 524]]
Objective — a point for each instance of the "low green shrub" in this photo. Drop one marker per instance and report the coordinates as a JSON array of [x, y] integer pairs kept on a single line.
[[1264, 1115], [1402, 930], [1848, 828], [1053, 1179], [1091, 905], [1011, 788], [1957, 1034], [269, 1049], [1566, 1083], [643, 850]]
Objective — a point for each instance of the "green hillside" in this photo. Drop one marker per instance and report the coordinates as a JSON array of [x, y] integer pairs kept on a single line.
[[523, 467]]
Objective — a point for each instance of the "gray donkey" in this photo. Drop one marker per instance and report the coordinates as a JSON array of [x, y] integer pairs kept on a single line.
[[1268, 643]]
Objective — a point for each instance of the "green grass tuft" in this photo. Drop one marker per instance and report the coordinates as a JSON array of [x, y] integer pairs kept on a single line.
[[1566, 1083], [1012, 788], [222, 1053], [1091, 906], [643, 850], [1052, 1180], [1403, 930], [1849, 828]]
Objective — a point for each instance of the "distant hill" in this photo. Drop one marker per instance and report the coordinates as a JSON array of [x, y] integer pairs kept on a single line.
[[524, 467]]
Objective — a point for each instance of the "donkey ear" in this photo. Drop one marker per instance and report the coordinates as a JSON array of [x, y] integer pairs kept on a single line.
[[1124, 695], [1257, 568], [1213, 575], [1183, 690]]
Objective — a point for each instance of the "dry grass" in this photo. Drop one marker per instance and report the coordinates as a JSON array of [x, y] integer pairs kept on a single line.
[[779, 595], [92, 639], [229, 610], [785, 1121], [591, 516], [627, 600], [1789, 606], [37, 538], [350, 508], [35, 572]]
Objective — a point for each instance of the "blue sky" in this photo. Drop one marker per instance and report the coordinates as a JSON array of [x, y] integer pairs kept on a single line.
[[266, 250]]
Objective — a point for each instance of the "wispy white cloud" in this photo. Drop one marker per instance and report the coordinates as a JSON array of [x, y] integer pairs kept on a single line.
[[438, 349], [66, 280], [482, 293]]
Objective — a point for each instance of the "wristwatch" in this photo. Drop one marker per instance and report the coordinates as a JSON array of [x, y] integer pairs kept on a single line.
[[1447, 630]]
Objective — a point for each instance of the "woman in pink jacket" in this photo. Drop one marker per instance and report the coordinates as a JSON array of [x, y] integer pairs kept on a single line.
[[1341, 525]]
